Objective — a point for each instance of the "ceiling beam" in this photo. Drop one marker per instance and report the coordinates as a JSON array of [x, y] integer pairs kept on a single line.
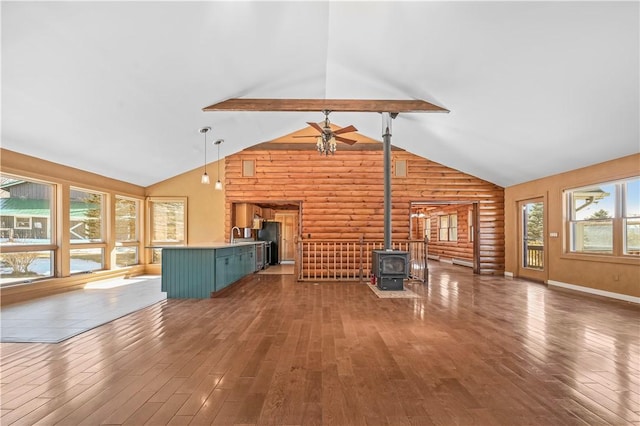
[[338, 105]]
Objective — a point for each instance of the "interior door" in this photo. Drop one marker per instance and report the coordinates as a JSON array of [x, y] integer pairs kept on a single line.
[[531, 245], [289, 230]]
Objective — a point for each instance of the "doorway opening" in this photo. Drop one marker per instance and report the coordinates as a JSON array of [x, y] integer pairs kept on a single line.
[[450, 228], [275, 222], [531, 239]]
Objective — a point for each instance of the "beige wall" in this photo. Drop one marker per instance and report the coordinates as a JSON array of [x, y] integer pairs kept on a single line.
[[603, 273], [24, 165], [205, 205]]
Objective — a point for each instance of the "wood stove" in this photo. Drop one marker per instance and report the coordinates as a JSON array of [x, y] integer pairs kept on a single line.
[[390, 267]]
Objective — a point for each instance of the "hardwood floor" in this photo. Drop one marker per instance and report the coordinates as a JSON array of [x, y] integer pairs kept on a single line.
[[473, 350]]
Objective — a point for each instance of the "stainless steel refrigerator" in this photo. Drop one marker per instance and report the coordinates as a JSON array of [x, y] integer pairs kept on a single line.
[[270, 233]]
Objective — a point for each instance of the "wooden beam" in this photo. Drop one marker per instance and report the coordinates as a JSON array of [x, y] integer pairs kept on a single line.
[[341, 105]]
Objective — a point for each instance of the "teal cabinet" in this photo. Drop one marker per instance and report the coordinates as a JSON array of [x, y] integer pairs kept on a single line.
[[199, 271], [188, 273], [223, 278]]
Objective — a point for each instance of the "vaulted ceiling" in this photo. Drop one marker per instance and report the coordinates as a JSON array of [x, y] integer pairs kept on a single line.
[[118, 88]]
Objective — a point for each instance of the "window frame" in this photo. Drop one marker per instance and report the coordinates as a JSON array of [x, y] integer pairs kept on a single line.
[[155, 246], [427, 227], [50, 247], [618, 223], [446, 228], [104, 199], [17, 218], [130, 243], [90, 244]]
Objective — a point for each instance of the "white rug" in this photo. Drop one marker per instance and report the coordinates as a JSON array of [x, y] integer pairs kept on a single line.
[[56, 318], [394, 294]]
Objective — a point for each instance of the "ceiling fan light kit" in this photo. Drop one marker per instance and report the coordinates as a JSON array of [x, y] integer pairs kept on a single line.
[[327, 142], [326, 146]]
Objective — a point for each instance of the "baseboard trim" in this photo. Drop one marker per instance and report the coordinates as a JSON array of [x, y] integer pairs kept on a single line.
[[462, 262], [595, 291]]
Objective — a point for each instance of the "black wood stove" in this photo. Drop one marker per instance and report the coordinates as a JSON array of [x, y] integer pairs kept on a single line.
[[390, 268]]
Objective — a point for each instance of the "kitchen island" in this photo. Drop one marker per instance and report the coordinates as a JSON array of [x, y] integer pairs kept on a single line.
[[203, 270]]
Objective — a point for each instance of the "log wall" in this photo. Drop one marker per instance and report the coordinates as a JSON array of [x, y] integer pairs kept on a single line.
[[461, 249], [341, 196]]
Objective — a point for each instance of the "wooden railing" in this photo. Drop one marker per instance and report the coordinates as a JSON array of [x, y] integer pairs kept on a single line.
[[535, 257], [349, 260]]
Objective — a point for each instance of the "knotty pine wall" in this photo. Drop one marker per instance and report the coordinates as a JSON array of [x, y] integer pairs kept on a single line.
[[341, 196]]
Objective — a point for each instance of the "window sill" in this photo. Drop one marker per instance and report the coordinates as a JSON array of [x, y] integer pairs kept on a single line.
[[624, 260]]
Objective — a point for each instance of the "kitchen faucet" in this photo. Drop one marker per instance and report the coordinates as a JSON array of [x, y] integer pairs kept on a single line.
[[233, 239]]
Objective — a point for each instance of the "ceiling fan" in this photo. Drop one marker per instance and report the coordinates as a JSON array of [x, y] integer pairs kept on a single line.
[[326, 141]]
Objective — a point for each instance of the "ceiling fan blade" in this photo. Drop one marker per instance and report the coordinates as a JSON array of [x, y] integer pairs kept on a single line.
[[345, 140], [316, 126], [347, 129]]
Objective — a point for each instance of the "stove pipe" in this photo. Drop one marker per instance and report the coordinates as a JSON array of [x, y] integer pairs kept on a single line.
[[386, 147]]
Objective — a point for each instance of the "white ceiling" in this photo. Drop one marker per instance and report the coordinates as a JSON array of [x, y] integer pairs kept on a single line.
[[117, 88]]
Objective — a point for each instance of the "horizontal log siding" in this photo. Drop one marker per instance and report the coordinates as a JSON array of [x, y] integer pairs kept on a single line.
[[460, 249], [342, 196]]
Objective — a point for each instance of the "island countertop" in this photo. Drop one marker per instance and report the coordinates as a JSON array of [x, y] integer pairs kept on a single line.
[[204, 246]]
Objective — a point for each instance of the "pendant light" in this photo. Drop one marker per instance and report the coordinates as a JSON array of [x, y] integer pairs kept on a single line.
[[218, 183], [205, 177]]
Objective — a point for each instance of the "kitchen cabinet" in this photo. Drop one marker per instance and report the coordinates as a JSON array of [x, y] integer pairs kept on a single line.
[[197, 272], [223, 266], [245, 213], [268, 214], [233, 264]]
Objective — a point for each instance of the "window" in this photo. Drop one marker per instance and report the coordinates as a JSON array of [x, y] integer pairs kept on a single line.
[[85, 216], [427, 227], [23, 222], [25, 266], [401, 168], [127, 233], [86, 231], [26, 218], [448, 227], [167, 223], [631, 216], [126, 256], [595, 212], [86, 259]]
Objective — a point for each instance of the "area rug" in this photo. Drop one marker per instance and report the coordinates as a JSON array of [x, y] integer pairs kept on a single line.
[[56, 318], [394, 294]]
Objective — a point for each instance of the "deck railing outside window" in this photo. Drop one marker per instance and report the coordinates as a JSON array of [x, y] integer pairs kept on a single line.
[[535, 257]]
